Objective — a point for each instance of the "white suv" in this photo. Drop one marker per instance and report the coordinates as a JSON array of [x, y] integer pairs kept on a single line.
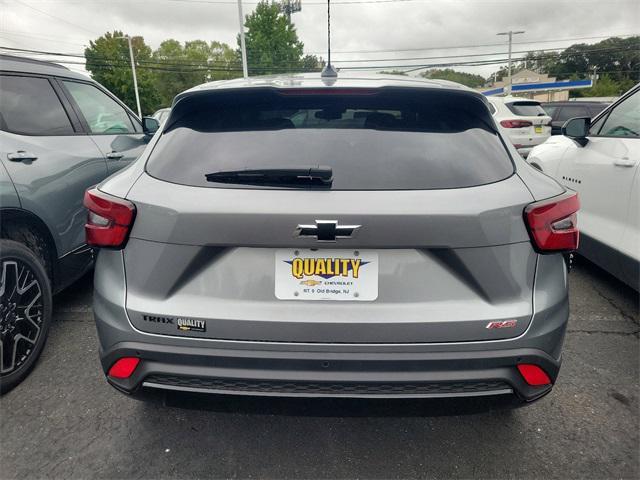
[[600, 160], [524, 121]]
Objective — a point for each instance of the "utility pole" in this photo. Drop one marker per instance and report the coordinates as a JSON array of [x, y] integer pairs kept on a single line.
[[135, 78], [510, 33], [243, 47]]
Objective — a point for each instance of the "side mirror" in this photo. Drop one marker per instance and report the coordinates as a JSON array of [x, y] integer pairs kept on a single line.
[[150, 125], [577, 129]]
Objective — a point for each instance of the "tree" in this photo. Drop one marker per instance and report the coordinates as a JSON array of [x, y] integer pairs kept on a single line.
[[468, 79], [272, 41], [192, 64], [393, 72], [617, 59], [107, 58], [605, 86]]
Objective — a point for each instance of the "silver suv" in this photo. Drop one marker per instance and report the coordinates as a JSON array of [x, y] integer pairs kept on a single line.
[[359, 237], [60, 133]]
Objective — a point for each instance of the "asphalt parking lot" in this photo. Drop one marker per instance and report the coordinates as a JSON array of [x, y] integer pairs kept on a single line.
[[64, 421]]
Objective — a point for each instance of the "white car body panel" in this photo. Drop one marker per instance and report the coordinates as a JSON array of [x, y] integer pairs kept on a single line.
[[606, 174]]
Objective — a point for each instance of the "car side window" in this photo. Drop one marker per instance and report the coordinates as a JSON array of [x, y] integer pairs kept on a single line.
[[30, 106], [624, 119], [572, 111], [103, 114]]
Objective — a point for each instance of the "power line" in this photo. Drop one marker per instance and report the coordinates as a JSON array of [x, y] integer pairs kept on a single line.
[[53, 16], [209, 64]]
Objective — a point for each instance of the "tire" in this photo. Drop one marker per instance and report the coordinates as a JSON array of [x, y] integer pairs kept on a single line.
[[25, 312]]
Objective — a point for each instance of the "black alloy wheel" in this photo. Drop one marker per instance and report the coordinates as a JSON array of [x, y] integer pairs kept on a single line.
[[25, 312]]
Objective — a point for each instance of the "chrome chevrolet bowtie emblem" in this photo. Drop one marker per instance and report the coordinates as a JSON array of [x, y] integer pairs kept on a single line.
[[326, 230]]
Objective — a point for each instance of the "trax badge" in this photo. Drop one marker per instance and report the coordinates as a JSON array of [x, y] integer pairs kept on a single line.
[[191, 325]]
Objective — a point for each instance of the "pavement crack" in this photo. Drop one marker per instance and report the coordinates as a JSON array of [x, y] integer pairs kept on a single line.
[[611, 302], [605, 332]]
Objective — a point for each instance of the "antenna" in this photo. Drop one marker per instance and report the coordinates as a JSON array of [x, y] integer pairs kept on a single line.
[[328, 70]]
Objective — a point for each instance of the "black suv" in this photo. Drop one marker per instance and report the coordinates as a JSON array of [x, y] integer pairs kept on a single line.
[[560, 112]]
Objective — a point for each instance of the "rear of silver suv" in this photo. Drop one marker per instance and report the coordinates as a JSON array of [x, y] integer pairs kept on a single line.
[[368, 239]]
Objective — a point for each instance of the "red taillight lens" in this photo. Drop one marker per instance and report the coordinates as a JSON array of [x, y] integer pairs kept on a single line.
[[109, 220], [515, 123], [553, 223], [124, 367], [533, 375]]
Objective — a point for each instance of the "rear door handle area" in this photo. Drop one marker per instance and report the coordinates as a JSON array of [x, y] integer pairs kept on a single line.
[[21, 156], [115, 155], [624, 162]]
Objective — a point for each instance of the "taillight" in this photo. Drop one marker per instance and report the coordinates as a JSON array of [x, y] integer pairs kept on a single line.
[[552, 223], [515, 123], [109, 220], [124, 367]]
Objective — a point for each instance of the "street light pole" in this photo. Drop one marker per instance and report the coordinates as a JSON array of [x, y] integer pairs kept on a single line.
[[135, 78], [243, 48], [510, 33]]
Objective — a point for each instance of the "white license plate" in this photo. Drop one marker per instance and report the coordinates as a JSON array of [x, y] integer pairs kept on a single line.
[[303, 274], [538, 129]]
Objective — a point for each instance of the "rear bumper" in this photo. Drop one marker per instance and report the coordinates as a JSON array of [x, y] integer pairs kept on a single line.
[[383, 370], [324, 374]]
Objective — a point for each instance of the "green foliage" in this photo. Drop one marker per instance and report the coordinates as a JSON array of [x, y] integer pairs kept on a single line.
[[468, 79], [192, 64], [616, 60], [393, 72], [605, 86], [107, 58], [272, 41]]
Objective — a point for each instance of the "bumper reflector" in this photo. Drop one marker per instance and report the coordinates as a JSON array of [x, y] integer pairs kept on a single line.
[[124, 367], [533, 375]]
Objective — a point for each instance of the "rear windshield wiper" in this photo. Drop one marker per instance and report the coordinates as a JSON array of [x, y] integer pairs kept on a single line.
[[299, 176]]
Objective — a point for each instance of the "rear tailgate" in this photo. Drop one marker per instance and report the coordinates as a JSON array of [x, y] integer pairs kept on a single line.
[[533, 113], [431, 245], [450, 262]]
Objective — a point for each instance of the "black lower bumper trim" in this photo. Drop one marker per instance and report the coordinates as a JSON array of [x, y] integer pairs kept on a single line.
[[332, 389]]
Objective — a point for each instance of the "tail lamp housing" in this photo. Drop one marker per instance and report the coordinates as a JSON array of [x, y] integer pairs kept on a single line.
[[109, 220], [552, 223], [515, 123]]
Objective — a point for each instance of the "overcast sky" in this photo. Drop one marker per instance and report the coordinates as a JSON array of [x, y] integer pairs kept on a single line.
[[386, 27]]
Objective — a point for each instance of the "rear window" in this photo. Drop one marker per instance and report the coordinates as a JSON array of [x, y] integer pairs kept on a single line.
[[526, 109], [373, 140]]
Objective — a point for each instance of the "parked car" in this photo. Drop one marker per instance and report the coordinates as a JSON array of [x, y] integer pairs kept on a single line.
[[162, 114], [524, 121], [560, 112], [599, 159], [367, 237], [60, 133]]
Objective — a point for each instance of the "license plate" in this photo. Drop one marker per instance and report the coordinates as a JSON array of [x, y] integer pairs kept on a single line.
[[303, 274], [538, 129]]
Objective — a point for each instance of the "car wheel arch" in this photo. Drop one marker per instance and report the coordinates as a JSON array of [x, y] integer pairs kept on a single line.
[[13, 220]]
